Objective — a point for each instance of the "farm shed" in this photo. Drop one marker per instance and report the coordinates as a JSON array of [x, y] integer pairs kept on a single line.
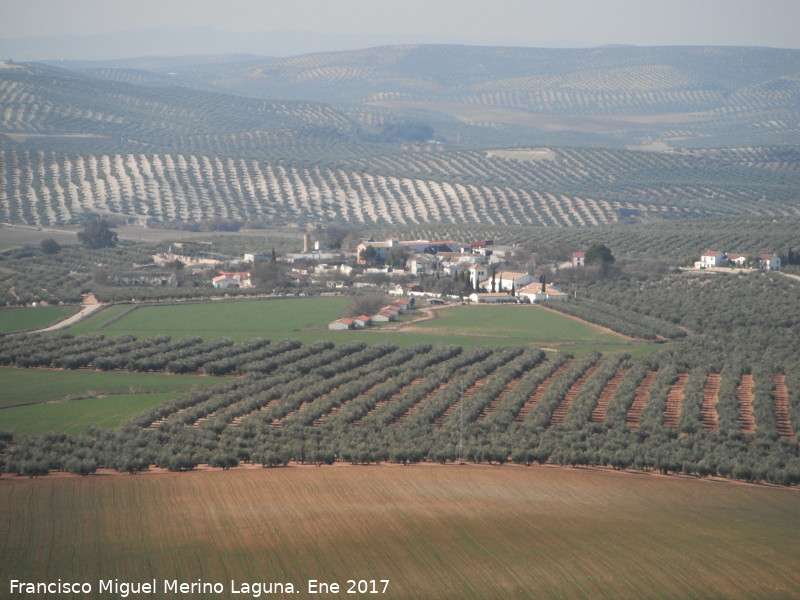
[[362, 321], [384, 317], [341, 324]]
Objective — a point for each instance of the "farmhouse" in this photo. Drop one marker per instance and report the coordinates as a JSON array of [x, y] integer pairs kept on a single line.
[[537, 292], [738, 260], [578, 259], [712, 258], [769, 262], [507, 280], [227, 280], [341, 324], [477, 273]]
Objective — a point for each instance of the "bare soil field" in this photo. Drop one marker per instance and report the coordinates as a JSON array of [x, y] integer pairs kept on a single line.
[[433, 531]]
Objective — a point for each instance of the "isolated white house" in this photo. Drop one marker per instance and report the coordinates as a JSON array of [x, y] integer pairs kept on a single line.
[[710, 259]]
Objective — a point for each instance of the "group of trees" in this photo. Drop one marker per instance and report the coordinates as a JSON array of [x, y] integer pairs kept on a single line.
[[359, 403]]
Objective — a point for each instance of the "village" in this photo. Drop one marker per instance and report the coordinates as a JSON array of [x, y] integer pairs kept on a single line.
[[436, 271]]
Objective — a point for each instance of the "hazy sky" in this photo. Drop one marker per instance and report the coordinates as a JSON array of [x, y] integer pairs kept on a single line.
[[531, 22]]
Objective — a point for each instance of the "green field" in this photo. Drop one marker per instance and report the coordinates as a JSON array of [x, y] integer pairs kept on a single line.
[[517, 324], [435, 532], [306, 319], [37, 400], [239, 319], [23, 319], [74, 416]]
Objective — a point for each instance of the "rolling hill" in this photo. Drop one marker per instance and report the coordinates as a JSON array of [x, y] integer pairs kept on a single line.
[[518, 136]]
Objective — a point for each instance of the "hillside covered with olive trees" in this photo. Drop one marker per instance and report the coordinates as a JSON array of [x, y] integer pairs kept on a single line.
[[407, 135]]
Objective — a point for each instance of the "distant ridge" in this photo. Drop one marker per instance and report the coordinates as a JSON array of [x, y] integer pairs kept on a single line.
[[196, 41]]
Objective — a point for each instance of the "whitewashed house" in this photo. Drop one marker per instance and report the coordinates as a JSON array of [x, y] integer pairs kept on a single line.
[[737, 260], [507, 280], [711, 259], [477, 273], [229, 280], [537, 292]]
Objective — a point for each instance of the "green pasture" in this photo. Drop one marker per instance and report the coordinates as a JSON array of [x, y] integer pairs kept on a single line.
[[37, 400], [37, 386], [76, 415], [516, 324], [29, 317], [240, 319], [306, 319]]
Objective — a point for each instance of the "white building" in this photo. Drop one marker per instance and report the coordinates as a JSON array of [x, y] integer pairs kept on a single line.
[[769, 262], [227, 280], [420, 246], [477, 273], [489, 298], [537, 292], [507, 280], [710, 259], [341, 324], [384, 317]]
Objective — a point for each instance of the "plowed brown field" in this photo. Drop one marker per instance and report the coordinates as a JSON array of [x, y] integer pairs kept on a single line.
[[640, 400], [436, 532], [710, 399]]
